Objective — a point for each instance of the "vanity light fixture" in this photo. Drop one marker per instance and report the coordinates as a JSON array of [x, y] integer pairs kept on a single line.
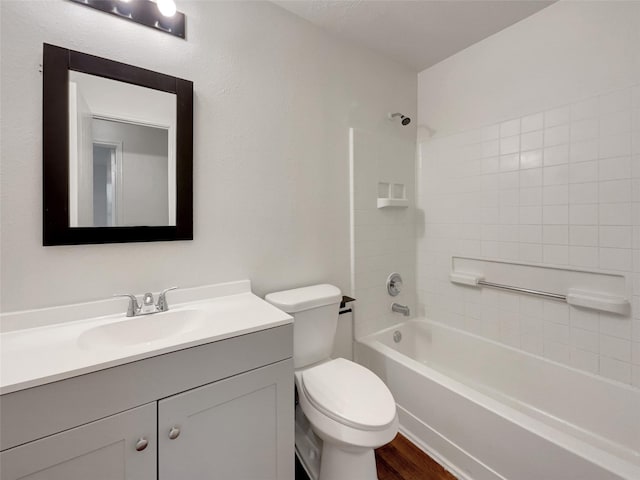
[[167, 7], [159, 14]]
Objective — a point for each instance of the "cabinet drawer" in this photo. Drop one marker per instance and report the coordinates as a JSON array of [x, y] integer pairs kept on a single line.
[[101, 450]]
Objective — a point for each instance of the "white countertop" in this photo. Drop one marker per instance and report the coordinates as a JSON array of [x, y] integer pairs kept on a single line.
[[51, 352]]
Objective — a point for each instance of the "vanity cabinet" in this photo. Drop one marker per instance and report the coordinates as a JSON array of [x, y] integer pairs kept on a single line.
[[221, 410]]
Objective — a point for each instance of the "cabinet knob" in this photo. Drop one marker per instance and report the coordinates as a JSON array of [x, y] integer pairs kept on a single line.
[[174, 433], [141, 444]]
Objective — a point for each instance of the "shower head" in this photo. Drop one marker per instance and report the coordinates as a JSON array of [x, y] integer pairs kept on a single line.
[[404, 120]]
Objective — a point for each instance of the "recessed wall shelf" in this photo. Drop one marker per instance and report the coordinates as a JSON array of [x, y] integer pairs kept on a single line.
[[392, 195], [393, 202]]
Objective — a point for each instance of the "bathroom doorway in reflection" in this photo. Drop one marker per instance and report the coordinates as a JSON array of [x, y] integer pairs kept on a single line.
[[107, 183]]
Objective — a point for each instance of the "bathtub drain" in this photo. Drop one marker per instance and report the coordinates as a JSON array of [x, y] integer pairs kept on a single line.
[[397, 336]]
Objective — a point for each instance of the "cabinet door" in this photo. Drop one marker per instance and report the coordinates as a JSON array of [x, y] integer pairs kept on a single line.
[[239, 428], [101, 450]]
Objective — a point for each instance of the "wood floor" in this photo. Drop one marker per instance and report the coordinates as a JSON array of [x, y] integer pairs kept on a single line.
[[402, 460]]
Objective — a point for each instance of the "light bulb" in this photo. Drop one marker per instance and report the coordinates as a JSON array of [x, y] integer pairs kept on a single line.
[[167, 7]]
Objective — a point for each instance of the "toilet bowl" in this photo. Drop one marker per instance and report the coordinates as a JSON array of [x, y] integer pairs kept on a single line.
[[348, 407], [352, 411]]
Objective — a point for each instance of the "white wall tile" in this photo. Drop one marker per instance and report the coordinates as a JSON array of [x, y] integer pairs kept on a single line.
[[530, 252], [615, 145], [585, 340], [509, 180], [615, 191], [509, 145], [556, 135], [509, 162], [510, 128], [615, 369], [615, 214], [615, 326], [615, 259], [616, 236], [582, 235], [614, 347], [555, 214], [584, 319], [530, 196], [557, 116], [557, 352], [583, 256], [614, 168], [532, 122], [635, 353], [583, 360], [530, 233], [586, 214], [635, 93], [615, 101], [583, 172], [583, 130], [555, 234], [583, 151], [530, 215], [555, 254], [556, 312], [556, 155], [532, 343], [490, 165], [555, 188], [532, 140], [583, 193], [615, 123], [531, 178], [490, 148], [531, 159], [556, 175], [585, 109], [555, 195]]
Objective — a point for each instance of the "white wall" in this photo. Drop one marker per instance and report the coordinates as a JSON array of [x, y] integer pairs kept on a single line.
[[536, 158], [274, 100]]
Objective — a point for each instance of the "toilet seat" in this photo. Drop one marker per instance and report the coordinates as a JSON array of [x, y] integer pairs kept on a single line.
[[349, 394]]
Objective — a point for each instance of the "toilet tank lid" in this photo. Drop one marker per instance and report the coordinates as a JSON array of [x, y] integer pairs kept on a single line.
[[305, 298]]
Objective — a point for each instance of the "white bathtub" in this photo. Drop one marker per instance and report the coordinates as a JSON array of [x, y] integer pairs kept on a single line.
[[488, 411]]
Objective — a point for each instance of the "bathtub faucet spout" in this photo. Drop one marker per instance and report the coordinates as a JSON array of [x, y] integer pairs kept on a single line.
[[403, 309]]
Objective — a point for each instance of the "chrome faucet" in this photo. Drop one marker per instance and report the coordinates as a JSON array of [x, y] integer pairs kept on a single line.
[[403, 309], [148, 306]]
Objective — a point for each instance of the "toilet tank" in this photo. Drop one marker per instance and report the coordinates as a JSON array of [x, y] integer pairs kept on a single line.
[[315, 317]]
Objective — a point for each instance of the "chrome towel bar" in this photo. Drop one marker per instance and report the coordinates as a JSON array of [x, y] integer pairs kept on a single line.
[[528, 291]]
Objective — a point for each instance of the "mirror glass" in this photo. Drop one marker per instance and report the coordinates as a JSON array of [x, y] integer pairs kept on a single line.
[[122, 154]]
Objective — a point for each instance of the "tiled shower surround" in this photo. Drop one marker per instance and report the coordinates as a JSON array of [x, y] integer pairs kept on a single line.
[[559, 188], [383, 238]]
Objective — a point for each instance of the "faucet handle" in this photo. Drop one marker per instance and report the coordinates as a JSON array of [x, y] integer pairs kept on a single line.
[[133, 308], [162, 305]]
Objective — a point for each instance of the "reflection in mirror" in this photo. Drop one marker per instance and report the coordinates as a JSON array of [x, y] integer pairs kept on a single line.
[[122, 155]]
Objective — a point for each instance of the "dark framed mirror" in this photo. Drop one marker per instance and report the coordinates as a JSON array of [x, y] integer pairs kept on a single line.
[[117, 152]]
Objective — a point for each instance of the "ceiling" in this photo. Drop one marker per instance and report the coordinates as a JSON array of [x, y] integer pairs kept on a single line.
[[417, 33]]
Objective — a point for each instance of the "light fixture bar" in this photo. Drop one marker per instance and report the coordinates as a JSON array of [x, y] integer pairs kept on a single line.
[[144, 12]]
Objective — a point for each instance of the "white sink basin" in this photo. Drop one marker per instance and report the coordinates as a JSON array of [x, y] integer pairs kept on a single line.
[[143, 329]]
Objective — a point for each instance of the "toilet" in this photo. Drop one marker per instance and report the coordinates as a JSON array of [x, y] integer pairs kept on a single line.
[[347, 406]]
